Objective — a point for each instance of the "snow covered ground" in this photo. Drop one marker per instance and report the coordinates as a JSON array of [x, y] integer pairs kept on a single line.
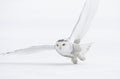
[[103, 59]]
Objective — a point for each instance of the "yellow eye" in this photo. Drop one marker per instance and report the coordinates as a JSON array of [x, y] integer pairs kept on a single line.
[[57, 45], [63, 44]]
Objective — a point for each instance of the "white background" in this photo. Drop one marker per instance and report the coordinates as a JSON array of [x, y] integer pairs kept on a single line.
[[24, 23]]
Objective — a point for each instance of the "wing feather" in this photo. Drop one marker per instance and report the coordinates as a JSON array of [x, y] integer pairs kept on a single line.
[[30, 50], [85, 18]]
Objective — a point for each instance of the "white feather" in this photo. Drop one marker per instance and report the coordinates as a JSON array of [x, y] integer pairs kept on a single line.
[[84, 21], [30, 50]]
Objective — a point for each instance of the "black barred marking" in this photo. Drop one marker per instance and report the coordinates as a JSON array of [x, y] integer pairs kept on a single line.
[[61, 40]]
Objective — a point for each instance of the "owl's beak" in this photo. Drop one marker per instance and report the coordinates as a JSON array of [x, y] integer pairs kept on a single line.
[[60, 48]]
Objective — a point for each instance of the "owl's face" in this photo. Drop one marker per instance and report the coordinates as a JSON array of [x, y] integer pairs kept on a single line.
[[63, 47]]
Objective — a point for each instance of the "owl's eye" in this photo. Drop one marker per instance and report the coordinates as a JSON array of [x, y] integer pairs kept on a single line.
[[57, 45], [63, 44]]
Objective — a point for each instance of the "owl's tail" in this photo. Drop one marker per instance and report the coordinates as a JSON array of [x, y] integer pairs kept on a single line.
[[85, 47], [84, 50]]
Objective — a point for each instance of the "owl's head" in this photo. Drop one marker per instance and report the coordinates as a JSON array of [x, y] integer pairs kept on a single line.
[[63, 46]]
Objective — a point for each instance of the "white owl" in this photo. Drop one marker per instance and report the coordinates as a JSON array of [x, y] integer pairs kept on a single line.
[[71, 47]]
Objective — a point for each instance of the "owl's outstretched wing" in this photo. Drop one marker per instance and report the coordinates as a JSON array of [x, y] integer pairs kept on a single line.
[[85, 18], [30, 50]]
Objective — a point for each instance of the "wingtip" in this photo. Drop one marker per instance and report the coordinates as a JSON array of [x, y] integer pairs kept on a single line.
[[5, 53]]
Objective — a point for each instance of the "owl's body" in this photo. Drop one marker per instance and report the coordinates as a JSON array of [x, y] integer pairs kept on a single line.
[[71, 50]]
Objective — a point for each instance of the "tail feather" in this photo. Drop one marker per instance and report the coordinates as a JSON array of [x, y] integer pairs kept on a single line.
[[85, 47]]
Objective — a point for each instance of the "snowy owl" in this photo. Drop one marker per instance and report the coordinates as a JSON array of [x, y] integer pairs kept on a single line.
[[71, 47]]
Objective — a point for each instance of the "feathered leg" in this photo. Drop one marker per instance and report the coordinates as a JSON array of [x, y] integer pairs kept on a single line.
[[74, 60]]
